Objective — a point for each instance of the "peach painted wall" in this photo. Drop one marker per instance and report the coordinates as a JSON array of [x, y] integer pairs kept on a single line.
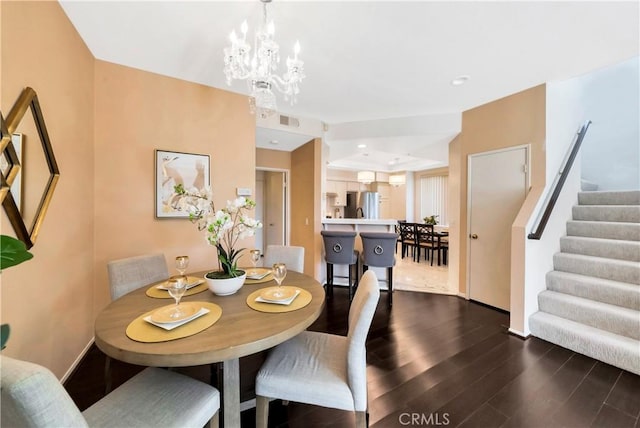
[[48, 301], [136, 113], [511, 121], [277, 159], [455, 219], [105, 121], [305, 203]]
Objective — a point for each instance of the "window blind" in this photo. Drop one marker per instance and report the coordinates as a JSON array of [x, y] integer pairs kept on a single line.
[[434, 198]]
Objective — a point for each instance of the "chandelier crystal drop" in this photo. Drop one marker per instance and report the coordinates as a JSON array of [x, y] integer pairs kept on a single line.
[[259, 67]]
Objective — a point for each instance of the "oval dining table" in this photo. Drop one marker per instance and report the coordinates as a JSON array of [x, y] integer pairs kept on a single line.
[[240, 331]]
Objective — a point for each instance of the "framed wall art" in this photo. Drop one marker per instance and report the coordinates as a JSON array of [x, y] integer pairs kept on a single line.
[[172, 168]]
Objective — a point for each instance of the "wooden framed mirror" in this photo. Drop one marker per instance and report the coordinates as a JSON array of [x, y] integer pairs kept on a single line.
[[29, 174]]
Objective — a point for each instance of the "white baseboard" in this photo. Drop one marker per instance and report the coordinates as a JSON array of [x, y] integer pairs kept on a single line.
[[518, 333], [77, 361]]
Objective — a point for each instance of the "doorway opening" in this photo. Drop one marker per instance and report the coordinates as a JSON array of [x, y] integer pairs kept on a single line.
[[272, 207]]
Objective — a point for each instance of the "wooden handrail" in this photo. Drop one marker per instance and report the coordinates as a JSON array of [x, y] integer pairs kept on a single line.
[[560, 179]]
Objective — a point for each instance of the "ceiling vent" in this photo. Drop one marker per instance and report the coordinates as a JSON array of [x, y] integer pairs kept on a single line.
[[289, 121]]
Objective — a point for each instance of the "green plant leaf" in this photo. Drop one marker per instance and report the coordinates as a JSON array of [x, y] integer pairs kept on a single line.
[[4, 335], [12, 252]]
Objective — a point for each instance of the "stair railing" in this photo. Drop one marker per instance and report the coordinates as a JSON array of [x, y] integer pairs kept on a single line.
[[558, 182]]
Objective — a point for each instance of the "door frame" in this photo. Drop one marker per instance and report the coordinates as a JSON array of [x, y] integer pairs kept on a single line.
[[470, 157], [287, 200]]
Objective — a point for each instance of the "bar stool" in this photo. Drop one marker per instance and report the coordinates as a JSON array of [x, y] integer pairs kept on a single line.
[[339, 248], [378, 250]]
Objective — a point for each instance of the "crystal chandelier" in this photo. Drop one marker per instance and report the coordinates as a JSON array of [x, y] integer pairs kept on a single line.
[[259, 67]]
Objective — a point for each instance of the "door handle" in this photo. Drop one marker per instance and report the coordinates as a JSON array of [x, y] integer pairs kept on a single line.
[[473, 236]]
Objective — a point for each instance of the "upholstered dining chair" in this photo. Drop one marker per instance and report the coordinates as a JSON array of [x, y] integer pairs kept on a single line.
[[129, 274], [33, 397], [290, 255], [320, 368]]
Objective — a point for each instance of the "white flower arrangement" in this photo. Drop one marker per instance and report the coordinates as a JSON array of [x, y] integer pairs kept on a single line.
[[223, 228]]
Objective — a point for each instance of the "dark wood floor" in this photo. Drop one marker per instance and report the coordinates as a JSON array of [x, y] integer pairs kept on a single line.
[[438, 360]]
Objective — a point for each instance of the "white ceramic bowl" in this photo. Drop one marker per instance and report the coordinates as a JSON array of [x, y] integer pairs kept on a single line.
[[225, 286]]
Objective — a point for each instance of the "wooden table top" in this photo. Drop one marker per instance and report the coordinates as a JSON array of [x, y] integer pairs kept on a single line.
[[240, 331]]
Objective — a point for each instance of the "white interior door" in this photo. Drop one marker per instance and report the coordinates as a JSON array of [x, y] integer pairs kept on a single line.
[[275, 208], [498, 184]]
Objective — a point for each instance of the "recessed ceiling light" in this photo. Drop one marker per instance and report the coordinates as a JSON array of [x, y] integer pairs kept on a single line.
[[362, 146], [460, 80], [274, 142]]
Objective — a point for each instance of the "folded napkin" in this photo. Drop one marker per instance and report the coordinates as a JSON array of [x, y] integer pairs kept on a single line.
[[193, 281], [171, 325], [279, 302]]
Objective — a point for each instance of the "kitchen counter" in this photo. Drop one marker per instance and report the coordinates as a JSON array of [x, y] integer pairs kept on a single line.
[[360, 224]]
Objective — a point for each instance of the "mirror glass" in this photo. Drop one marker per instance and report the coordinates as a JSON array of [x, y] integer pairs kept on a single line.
[[34, 172]]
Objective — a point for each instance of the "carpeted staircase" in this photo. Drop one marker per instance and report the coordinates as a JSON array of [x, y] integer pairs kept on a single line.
[[592, 301]]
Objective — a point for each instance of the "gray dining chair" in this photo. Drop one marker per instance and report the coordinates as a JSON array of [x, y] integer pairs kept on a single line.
[[378, 250], [131, 273], [323, 369], [128, 274], [32, 396], [290, 255]]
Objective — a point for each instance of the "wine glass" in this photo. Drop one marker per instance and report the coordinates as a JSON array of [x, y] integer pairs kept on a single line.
[[255, 256], [279, 272], [182, 262], [177, 285]]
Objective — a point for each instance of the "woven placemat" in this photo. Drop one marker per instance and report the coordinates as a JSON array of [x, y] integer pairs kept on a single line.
[[303, 299], [156, 293], [142, 331]]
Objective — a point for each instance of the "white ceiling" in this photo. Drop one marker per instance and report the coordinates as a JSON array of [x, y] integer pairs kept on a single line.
[[372, 60]]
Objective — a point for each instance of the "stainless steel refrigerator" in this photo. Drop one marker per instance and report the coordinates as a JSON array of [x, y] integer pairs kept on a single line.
[[370, 204]]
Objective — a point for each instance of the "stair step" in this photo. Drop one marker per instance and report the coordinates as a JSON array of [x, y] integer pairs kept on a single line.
[[620, 213], [619, 351], [616, 319], [604, 229], [599, 267], [624, 197], [609, 248], [602, 290]]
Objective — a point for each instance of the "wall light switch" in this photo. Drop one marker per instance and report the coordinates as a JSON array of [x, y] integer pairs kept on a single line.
[[243, 191]]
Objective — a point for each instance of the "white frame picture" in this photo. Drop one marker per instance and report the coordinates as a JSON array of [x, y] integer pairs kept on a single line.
[[191, 170]]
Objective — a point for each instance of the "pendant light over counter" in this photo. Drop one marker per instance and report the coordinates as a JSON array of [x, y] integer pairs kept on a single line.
[[366, 177]]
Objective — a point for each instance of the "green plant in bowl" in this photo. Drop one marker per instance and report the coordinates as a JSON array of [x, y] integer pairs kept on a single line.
[[432, 219]]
